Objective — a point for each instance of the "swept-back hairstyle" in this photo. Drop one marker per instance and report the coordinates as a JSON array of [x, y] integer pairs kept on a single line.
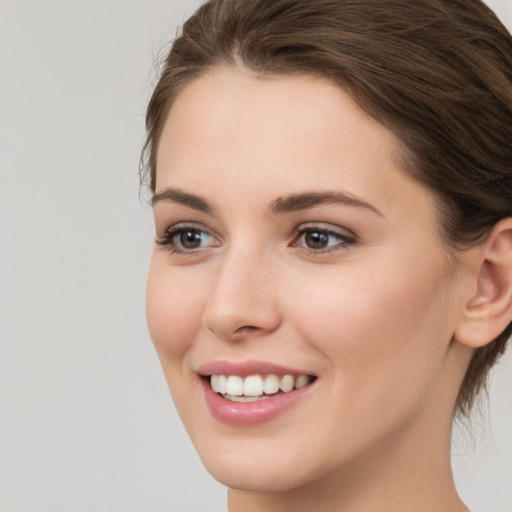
[[436, 73]]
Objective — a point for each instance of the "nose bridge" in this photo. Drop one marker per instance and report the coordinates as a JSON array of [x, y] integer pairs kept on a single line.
[[242, 301]]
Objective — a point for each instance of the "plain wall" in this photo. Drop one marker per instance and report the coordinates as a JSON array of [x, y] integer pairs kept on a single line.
[[87, 423]]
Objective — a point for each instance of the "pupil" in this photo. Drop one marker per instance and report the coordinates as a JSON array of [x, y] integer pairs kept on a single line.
[[190, 239], [316, 240]]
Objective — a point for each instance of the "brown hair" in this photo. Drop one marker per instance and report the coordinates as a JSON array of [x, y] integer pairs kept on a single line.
[[436, 73]]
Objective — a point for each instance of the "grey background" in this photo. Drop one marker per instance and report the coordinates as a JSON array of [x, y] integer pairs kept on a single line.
[[87, 423]]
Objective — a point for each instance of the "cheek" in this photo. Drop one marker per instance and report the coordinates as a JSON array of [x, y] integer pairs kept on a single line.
[[382, 341], [173, 308], [371, 323]]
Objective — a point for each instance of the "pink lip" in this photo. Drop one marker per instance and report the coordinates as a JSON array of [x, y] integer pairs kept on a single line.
[[249, 413], [246, 368]]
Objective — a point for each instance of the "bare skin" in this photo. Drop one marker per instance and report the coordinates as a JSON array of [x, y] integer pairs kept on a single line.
[[380, 313]]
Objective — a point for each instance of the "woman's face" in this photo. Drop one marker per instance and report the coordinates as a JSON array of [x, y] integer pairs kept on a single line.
[[291, 243]]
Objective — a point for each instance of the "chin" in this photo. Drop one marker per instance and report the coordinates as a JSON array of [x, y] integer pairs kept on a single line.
[[256, 477], [268, 467]]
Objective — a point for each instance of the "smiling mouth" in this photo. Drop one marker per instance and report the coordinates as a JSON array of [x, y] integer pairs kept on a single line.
[[255, 388]]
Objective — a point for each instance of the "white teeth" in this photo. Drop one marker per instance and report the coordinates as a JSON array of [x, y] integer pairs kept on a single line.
[[254, 387], [214, 383], [245, 398], [271, 384], [287, 383], [222, 384], [235, 385], [302, 381]]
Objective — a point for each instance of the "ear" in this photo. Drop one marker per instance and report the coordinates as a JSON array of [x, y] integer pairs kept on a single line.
[[489, 311]]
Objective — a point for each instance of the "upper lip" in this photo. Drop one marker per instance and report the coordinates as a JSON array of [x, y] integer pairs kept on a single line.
[[246, 368]]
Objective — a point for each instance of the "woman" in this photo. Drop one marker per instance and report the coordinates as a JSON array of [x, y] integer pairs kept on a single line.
[[332, 274]]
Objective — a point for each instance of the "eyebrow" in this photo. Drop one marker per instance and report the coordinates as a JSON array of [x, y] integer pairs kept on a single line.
[[292, 203], [307, 200], [178, 196]]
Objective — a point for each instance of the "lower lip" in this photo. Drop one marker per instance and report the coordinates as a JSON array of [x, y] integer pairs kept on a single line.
[[251, 413]]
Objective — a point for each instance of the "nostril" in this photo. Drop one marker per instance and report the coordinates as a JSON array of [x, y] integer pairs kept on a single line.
[[246, 328]]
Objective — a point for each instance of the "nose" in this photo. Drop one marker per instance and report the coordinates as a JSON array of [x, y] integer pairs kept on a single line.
[[243, 300]]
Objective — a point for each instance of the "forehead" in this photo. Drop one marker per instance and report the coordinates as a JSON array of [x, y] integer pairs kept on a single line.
[[232, 133], [233, 113]]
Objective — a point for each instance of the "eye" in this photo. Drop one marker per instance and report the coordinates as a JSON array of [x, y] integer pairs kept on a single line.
[[322, 239], [182, 238]]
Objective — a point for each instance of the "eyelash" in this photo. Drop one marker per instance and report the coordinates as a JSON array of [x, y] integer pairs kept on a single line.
[[344, 240], [168, 240]]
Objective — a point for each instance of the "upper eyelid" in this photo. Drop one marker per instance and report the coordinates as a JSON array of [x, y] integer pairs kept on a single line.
[[327, 227], [176, 229], [332, 229], [187, 225], [341, 237]]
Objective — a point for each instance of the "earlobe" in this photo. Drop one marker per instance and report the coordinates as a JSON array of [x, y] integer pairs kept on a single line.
[[489, 311]]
